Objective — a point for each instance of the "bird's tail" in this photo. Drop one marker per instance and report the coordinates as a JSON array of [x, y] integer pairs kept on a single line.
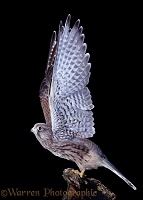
[[108, 165]]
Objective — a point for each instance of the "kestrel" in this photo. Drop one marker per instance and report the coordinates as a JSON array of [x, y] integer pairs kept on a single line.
[[66, 103]]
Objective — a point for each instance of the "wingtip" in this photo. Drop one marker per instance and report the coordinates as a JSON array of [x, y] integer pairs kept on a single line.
[[69, 16], [61, 23], [81, 27], [78, 21], [60, 26], [68, 20], [53, 38], [87, 55], [54, 34]]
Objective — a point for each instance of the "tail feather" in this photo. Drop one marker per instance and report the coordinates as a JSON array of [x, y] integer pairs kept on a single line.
[[108, 165]]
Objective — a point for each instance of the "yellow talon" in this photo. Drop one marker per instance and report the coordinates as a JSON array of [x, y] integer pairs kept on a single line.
[[79, 173]]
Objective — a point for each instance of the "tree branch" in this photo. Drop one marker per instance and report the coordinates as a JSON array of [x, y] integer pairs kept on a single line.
[[85, 188]]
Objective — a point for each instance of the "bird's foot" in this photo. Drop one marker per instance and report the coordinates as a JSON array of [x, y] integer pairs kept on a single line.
[[79, 173]]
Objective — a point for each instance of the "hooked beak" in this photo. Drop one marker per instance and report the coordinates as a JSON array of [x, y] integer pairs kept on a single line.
[[33, 130]]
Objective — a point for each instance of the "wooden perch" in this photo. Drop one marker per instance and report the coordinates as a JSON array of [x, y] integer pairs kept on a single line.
[[85, 188]]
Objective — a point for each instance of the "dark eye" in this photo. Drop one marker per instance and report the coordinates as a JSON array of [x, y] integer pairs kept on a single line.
[[40, 128]]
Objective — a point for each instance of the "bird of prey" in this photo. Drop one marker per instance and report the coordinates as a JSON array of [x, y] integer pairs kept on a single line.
[[67, 105]]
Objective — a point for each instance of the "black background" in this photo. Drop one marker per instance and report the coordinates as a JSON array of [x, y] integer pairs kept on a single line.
[[112, 35]]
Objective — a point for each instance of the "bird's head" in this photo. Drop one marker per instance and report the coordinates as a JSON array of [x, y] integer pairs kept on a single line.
[[41, 130]]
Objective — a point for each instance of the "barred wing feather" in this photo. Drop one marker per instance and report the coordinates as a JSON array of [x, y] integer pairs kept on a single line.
[[46, 83], [70, 99]]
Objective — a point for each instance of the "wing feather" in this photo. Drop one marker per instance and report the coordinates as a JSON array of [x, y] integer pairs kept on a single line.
[[70, 99], [46, 83]]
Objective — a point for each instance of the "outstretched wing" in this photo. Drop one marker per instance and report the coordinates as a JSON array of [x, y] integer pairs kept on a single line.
[[46, 83], [70, 99]]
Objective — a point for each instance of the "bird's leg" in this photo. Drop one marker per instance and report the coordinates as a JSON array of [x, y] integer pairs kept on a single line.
[[79, 173]]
